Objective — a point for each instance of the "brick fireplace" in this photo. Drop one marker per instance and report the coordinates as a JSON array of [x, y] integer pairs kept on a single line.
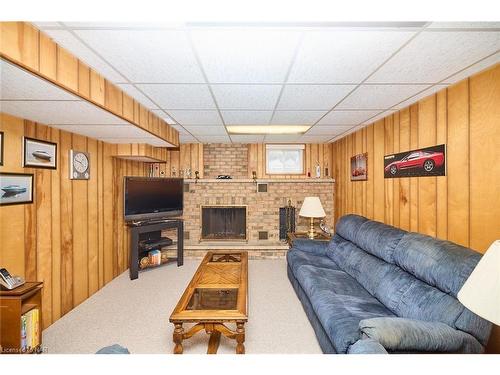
[[223, 223]]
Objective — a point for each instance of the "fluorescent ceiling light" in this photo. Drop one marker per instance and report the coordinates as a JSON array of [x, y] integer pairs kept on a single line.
[[266, 129]]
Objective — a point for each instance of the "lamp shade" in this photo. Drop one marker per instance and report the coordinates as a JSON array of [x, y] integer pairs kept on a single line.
[[312, 208], [481, 292]]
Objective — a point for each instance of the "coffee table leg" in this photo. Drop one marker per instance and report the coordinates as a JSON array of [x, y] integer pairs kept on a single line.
[[240, 338], [178, 334]]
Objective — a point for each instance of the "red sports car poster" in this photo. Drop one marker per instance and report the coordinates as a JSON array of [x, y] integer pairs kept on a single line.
[[358, 167], [429, 161]]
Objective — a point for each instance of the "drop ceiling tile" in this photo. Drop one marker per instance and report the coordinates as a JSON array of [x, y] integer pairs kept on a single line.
[[124, 140], [236, 55], [476, 68], [247, 138], [106, 131], [296, 117], [17, 83], [419, 96], [464, 25], [433, 56], [214, 139], [333, 56], [247, 117], [246, 96], [137, 95], [57, 112], [206, 130], [377, 117], [315, 138], [163, 115], [346, 117], [328, 129], [312, 97], [174, 96], [46, 24], [187, 138], [80, 50], [379, 96], [196, 117], [291, 138], [146, 55]]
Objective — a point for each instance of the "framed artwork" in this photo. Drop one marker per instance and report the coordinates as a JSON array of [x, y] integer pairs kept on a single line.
[[1, 148], [428, 161], [359, 167], [16, 188], [39, 154]]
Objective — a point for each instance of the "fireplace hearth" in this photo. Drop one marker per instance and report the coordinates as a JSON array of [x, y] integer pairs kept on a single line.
[[223, 223]]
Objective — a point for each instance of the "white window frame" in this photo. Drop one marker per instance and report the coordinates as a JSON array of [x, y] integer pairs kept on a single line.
[[284, 147]]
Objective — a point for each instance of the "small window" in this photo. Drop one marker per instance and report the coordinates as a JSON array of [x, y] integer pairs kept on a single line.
[[285, 159]]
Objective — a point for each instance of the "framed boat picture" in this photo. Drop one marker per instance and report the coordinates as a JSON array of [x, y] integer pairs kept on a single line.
[[1, 148], [39, 154], [16, 188]]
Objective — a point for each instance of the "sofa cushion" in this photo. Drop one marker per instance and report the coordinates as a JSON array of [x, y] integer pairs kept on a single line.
[[297, 258], [366, 346], [379, 239], [349, 225], [408, 335], [442, 264], [339, 302]]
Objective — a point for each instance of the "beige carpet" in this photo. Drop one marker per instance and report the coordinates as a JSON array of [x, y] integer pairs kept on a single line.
[[135, 314]]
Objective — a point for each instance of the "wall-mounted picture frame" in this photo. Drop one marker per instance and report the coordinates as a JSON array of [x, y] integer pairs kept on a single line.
[[1, 148], [422, 162], [359, 167], [39, 154], [16, 188]]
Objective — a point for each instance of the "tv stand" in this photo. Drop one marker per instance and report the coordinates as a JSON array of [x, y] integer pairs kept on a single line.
[[151, 231]]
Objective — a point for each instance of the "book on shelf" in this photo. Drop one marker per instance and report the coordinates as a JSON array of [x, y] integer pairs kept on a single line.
[[30, 329]]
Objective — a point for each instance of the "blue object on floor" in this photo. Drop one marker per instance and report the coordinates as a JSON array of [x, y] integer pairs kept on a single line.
[[113, 349], [371, 272]]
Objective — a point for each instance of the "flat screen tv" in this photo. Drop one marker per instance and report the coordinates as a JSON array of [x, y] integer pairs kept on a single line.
[[152, 197]]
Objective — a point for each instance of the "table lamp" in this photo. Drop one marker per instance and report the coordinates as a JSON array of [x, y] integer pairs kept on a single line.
[[312, 208], [481, 292]]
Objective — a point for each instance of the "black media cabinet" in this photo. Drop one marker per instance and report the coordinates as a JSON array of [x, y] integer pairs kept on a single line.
[[152, 231]]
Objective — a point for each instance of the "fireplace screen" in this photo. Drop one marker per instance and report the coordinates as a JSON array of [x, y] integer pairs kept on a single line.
[[223, 223]]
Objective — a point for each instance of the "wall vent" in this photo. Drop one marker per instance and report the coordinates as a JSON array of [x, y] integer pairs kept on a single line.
[[263, 235], [262, 188]]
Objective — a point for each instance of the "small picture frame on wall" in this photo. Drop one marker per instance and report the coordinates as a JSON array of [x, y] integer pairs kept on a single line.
[[1, 148], [359, 167], [16, 188], [39, 154]]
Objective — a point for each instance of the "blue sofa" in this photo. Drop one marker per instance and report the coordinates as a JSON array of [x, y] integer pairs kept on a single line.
[[378, 289]]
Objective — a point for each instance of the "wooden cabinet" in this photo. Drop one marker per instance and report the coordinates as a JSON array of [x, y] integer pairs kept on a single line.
[[14, 304]]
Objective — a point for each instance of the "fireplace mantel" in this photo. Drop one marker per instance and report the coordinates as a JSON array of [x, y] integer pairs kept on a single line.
[[262, 180]]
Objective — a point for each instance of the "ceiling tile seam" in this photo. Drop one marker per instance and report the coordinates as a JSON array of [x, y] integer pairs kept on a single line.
[[443, 81], [203, 73], [41, 100], [109, 64], [287, 75], [375, 70]]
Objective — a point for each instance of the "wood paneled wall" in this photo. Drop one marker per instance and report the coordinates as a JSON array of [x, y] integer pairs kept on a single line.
[[464, 205], [73, 236], [24, 45], [191, 155]]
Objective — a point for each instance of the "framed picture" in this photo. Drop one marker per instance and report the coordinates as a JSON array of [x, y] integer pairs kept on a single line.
[[428, 161], [16, 188], [359, 167], [1, 148], [39, 154]]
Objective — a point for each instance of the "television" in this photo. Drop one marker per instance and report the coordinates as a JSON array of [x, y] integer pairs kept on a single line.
[[148, 198]]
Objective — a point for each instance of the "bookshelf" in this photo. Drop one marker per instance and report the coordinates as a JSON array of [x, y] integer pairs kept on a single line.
[[21, 319]]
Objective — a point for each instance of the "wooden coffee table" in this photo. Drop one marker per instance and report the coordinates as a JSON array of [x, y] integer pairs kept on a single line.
[[217, 294]]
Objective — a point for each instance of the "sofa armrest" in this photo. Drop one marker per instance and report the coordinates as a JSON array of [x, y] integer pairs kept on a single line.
[[366, 346], [310, 246], [409, 335]]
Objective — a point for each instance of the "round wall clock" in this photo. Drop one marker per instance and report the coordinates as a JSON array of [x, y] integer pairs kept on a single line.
[[79, 168]]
